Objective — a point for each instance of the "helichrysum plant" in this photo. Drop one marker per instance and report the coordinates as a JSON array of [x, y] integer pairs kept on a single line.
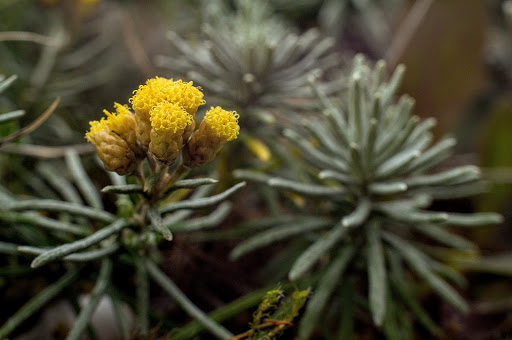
[[158, 144], [372, 169], [252, 59]]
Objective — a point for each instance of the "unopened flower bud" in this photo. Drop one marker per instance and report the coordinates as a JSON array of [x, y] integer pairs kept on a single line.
[[111, 148], [123, 123], [218, 127]]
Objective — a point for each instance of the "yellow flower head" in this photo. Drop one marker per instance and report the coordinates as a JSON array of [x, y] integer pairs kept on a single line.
[[157, 90], [169, 117], [223, 123]]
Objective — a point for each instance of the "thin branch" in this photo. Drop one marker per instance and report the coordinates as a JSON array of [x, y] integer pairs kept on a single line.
[[32, 126], [135, 46], [406, 31], [46, 152]]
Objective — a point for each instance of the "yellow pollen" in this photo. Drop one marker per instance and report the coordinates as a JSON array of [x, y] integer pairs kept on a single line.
[[223, 123], [169, 117]]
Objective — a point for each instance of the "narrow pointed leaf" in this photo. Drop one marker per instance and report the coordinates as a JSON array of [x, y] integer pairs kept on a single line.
[[313, 253], [66, 249], [417, 263], [158, 225], [183, 301], [306, 189], [60, 206], [123, 189], [202, 202], [377, 278], [359, 215], [203, 222], [276, 234], [35, 304], [82, 180], [323, 291], [94, 299]]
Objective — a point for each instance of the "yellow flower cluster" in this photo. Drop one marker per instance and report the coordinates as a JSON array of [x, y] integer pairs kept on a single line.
[[160, 125]]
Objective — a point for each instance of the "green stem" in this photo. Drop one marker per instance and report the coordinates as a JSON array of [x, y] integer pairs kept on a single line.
[[94, 299], [34, 304], [170, 287], [180, 171]]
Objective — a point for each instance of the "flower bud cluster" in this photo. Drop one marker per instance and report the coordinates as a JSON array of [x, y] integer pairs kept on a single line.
[[161, 126]]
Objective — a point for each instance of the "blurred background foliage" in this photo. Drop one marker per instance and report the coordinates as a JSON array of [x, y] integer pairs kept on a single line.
[[458, 55]]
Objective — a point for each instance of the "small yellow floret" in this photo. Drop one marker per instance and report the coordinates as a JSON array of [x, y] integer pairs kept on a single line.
[[96, 126], [120, 122], [157, 90], [223, 123], [187, 96], [169, 117]]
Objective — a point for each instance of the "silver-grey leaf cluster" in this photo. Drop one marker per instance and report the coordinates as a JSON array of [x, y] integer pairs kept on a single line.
[[375, 164], [252, 58]]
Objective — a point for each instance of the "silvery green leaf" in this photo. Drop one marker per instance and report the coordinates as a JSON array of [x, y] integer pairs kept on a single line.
[[377, 278], [63, 207], [76, 257], [5, 117], [473, 220], [387, 188], [59, 183], [450, 177], [43, 222], [276, 234], [413, 215], [417, 263], [396, 163], [313, 253], [37, 302], [8, 248], [399, 285], [392, 86], [251, 175], [69, 248], [338, 176], [313, 153], [123, 189], [432, 156], [306, 189], [85, 315], [194, 183], [202, 202], [323, 291], [442, 235], [359, 215], [82, 180], [200, 223], [157, 224], [4, 84]]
